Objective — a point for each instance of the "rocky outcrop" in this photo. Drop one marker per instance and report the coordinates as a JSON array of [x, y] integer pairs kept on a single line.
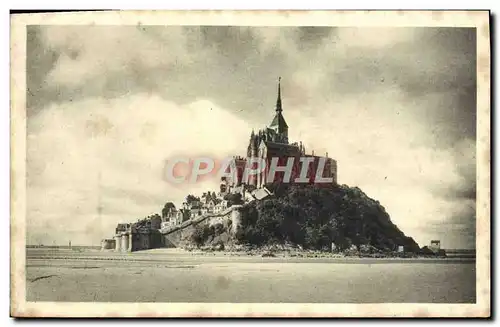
[[338, 218]]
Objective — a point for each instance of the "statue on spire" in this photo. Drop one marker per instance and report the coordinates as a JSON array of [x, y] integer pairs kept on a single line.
[[278, 101]]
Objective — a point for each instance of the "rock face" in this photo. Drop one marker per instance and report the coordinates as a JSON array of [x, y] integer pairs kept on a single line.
[[320, 218]]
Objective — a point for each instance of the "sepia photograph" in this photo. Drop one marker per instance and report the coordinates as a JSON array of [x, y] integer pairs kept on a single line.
[[250, 164]]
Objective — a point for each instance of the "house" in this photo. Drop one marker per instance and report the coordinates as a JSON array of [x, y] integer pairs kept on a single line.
[[178, 218], [261, 193], [171, 211], [210, 205], [166, 224], [221, 206], [195, 212]]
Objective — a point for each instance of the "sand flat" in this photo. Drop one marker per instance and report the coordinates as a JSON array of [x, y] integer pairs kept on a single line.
[[177, 276]]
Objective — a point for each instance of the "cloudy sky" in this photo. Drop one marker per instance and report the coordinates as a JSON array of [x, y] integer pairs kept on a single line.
[[394, 106]]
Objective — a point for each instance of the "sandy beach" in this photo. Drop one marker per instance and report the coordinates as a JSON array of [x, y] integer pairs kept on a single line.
[[170, 275]]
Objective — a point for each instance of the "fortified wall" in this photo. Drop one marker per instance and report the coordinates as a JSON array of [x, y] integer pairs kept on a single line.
[[130, 237], [174, 236], [141, 235]]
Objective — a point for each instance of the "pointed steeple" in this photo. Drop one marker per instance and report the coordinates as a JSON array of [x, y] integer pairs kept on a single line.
[[279, 109], [278, 120], [278, 123]]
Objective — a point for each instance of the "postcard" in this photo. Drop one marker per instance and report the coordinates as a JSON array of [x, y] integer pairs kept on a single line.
[[250, 164]]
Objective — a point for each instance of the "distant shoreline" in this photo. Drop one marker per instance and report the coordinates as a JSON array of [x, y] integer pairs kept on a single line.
[[448, 251], [164, 254], [336, 256]]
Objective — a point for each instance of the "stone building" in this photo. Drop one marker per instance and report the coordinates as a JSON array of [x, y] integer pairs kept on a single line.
[[174, 217], [142, 235], [435, 245], [273, 142]]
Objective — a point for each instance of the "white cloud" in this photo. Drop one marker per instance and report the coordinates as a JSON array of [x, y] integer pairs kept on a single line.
[[273, 38], [376, 37], [89, 53], [377, 149]]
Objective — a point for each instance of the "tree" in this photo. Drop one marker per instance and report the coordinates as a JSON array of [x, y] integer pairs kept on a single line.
[[201, 233], [219, 229], [233, 198], [191, 198], [315, 217]]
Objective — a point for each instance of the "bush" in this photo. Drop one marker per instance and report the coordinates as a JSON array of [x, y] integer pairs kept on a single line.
[[200, 234], [219, 229], [233, 199]]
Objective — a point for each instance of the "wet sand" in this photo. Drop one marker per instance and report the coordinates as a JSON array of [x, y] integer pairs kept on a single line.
[[176, 276]]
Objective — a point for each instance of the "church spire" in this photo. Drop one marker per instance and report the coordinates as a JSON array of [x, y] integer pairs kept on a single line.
[[279, 109], [278, 124]]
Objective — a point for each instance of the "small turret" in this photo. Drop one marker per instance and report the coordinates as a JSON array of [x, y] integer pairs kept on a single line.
[[251, 145]]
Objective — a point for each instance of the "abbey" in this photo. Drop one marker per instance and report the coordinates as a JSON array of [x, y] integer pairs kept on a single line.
[[271, 143]]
